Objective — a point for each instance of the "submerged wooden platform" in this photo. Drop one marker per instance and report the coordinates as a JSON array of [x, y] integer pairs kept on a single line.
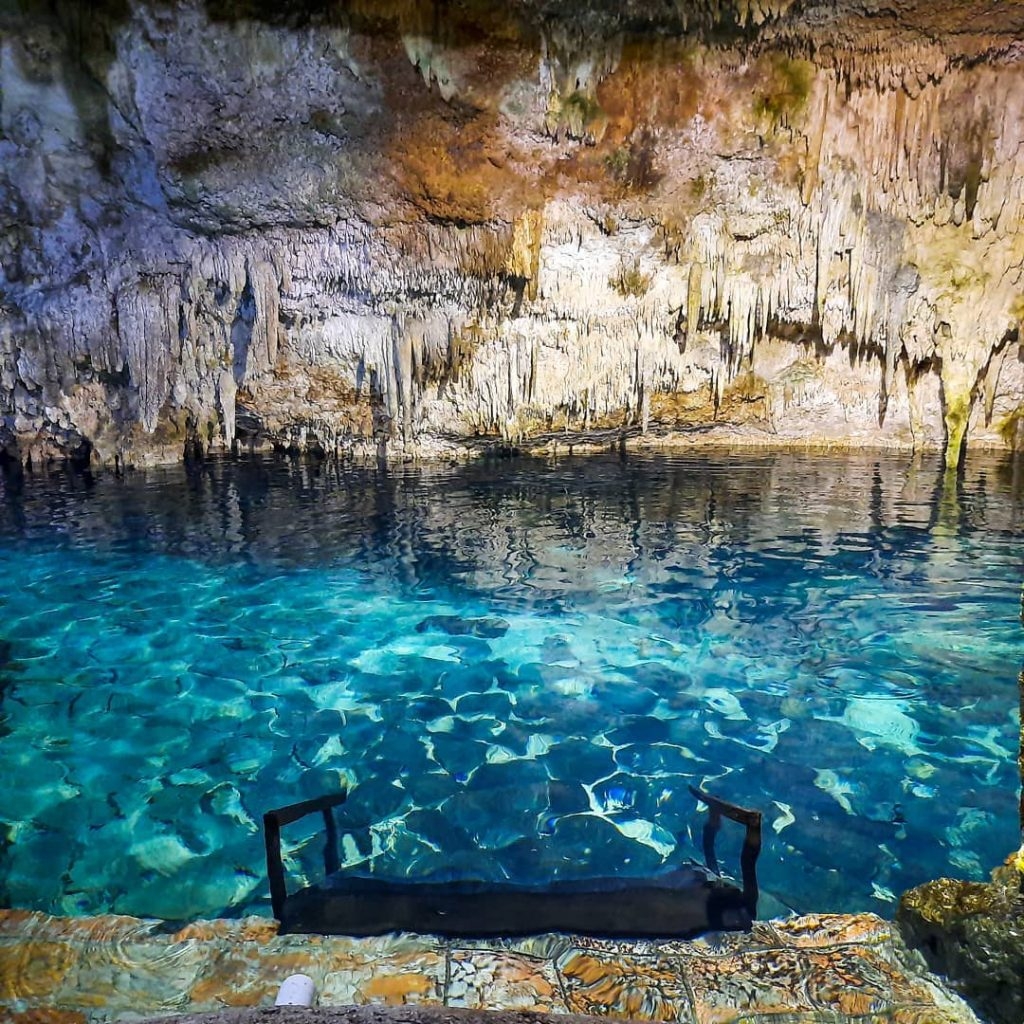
[[679, 904]]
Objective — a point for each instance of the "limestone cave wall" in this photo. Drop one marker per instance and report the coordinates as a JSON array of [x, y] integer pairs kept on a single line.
[[411, 227]]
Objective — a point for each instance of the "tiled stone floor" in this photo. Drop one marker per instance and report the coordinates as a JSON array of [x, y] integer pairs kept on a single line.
[[808, 970]]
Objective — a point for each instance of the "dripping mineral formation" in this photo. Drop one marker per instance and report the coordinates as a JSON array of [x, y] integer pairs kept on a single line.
[[400, 226]]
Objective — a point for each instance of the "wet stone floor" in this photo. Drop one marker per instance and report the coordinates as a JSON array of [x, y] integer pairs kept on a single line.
[[820, 969]]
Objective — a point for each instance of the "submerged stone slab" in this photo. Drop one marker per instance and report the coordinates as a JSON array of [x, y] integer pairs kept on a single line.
[[383, 1015], [651, 988], [482, 978], [818, 969], [456, 625]]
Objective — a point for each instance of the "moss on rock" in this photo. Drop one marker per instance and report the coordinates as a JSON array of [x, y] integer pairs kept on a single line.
[[786, 89]]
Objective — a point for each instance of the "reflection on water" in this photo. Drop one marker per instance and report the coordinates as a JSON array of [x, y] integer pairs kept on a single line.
[[519, 667]]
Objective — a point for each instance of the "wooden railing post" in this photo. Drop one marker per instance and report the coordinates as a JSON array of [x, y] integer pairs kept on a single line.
[[272, 822], [275, 866], [751, 841]]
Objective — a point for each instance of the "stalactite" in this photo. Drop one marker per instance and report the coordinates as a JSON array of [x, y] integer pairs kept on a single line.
[[226, 392], [991, 383], [694, 300], [402, 379], [146, 317]]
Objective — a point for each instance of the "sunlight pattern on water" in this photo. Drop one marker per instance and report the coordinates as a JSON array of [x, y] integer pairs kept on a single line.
[[517, 667]]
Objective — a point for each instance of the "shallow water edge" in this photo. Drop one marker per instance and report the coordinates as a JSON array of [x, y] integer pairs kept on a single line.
[[713, 439]]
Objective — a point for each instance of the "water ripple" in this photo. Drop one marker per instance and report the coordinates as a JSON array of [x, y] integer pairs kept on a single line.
[[517, 669]]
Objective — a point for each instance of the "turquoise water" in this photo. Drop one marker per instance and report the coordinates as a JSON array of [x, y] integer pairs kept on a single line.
[[518, 667]]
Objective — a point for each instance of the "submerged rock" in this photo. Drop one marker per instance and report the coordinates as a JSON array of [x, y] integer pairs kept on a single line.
[[455, 625], [973, 933]]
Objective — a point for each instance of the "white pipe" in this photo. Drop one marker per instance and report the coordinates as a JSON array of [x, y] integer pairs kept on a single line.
[[296, 990]]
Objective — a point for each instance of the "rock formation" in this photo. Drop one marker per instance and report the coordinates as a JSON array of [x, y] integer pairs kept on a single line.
[[397, 226], [973, 933]]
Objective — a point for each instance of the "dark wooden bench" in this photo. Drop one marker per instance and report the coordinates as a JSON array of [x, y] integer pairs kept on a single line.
[[686, 901]]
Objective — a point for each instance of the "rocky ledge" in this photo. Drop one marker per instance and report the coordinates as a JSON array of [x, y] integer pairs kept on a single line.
[[816, 969], [973, 932], [378, 1015]]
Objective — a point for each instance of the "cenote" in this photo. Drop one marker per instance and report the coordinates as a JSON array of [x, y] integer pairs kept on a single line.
[[517, 667]]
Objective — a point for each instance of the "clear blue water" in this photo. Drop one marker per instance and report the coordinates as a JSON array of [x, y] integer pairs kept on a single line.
[[518, 667]]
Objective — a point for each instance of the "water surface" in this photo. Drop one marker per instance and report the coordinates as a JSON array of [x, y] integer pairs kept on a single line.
[[518, 667]]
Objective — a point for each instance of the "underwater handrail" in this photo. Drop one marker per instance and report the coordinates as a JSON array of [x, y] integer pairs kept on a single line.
[[751, 819], [448, 901], [272, 822]]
